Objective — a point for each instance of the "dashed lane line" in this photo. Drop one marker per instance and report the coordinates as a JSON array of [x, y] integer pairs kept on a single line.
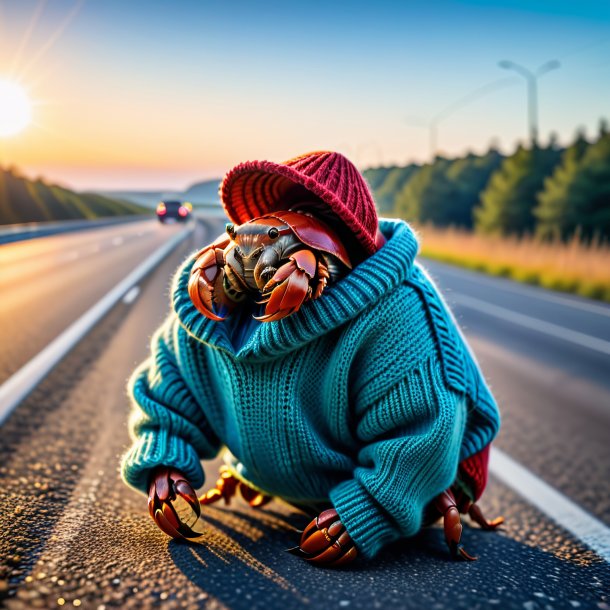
[[131, 295], [21, 383], [552, 503], [541, 326]]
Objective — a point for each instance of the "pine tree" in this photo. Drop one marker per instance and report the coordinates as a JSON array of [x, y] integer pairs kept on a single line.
[[428, 195], [385, 194], [470, 176], [580, 201], [508, 201], [554, 212]]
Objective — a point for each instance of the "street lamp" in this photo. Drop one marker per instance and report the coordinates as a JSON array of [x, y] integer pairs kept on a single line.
[[532, 90], [432, 127], [434, 122]]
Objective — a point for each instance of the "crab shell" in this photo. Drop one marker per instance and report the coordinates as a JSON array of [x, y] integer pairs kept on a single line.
[[315, 247], [309, 230]]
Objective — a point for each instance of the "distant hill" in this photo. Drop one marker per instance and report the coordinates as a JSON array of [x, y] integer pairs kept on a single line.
[[205, 192], [24, 200], [149, 199]]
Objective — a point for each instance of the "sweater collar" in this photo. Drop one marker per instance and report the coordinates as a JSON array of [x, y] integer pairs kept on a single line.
[[365, 285]]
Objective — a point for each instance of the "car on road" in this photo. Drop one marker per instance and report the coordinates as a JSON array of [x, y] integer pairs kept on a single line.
[[174, 210]]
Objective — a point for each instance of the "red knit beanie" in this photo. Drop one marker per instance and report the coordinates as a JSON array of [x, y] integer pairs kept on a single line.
[[254, 188]]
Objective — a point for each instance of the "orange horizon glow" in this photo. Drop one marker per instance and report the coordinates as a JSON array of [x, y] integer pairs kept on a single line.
[[158, 99]]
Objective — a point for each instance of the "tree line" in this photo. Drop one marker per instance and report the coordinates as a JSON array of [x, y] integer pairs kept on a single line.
[[550, 192], [24, 200]]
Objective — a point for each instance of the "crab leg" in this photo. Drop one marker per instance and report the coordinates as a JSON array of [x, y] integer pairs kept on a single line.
[[452, 524], [226, 489], [173, 504], [477, 516]]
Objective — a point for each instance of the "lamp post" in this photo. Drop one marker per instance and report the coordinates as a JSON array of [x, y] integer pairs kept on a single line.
[[532, 91], [432, 124]]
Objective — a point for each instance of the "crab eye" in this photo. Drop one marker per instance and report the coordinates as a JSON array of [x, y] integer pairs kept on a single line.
[[273, 233], [230, 228]]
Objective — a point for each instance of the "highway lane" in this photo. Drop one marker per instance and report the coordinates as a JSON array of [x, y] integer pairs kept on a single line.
[[554, 395], [47, 283], [71, 531], [576, 330]]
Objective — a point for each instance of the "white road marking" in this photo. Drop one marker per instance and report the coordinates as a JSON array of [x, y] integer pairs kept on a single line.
[[117, 241], [71, 256], [21, 383], [552, 503], [541, 326], [523, 290], [131, 295], [589, 395]]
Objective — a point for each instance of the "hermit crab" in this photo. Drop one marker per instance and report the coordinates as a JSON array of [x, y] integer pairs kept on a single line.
[[281, 260]]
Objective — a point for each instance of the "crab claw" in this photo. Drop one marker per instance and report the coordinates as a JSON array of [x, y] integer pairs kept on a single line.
[[290, 286], [326, 542], [173, 503], [205, 282]]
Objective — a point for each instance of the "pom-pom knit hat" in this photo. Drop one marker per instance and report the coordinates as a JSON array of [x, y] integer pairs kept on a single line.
[[325, 180]]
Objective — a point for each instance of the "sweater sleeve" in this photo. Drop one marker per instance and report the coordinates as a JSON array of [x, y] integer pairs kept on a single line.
[[411, 438], [167, 424]]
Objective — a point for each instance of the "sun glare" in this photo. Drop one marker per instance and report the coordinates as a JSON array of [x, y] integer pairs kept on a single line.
[[15, 109]]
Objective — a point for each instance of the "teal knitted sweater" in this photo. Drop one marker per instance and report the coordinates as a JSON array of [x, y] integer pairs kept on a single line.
[[367, 397]]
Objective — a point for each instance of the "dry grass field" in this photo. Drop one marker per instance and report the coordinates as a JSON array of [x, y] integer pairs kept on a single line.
[[575, 267]]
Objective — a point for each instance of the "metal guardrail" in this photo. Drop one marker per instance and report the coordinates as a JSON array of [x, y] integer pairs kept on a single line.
[[21, 383], [18, 232]]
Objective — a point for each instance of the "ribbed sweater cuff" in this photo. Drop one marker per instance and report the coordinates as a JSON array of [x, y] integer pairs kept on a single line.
[[158, 448], [363, 518]]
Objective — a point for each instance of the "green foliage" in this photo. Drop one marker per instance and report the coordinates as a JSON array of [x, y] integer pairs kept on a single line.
[[23, 200], [387, 182], [375, 176], [445, 192], [428, 196], [470, 176], [577, 197], [554, 212], [509, 199]]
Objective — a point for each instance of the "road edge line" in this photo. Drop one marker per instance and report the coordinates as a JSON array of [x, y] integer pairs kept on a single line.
[[567, 514], [23, 381]]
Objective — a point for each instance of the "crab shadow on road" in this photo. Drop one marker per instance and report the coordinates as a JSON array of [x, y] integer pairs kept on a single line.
[[241, 563]]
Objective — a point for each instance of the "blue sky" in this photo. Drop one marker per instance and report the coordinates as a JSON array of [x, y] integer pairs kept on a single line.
[[150, 94]]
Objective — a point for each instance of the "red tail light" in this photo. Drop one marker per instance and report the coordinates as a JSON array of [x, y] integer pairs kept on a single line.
[[182, 211], [161, 209]]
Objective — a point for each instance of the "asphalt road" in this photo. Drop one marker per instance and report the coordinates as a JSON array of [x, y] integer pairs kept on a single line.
[[73, 535], [47, 283], [554, 393]]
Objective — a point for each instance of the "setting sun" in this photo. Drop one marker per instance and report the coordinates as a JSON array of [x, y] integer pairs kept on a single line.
[[15, 109]]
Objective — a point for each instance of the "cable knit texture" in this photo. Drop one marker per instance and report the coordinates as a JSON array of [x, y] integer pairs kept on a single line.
[[367, 397]]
